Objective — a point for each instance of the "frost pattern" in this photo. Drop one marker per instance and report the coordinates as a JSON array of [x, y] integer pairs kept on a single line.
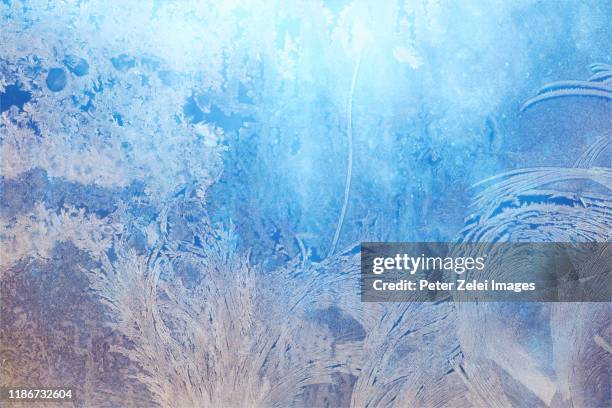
[[36, 234], [599, 85], [179, 218], [551, 204]]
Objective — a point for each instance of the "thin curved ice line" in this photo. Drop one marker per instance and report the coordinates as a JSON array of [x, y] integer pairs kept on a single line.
[[567, 92], [349, 170]]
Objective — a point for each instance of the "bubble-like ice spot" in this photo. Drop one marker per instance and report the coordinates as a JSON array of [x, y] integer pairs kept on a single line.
[[123, 62], [56, 79], [78, 66]]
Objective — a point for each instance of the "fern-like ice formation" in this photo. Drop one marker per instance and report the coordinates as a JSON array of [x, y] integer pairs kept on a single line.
[[121, 280], [204, 328], [599, 85], [551, 204]]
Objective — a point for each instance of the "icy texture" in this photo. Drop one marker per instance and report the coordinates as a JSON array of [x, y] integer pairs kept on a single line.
[[184, 187]]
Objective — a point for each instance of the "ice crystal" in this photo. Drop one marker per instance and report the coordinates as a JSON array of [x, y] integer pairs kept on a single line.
[[184, 186]]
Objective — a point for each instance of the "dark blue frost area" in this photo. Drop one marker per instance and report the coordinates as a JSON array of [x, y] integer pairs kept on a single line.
[[13, 95], [56, 79]]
